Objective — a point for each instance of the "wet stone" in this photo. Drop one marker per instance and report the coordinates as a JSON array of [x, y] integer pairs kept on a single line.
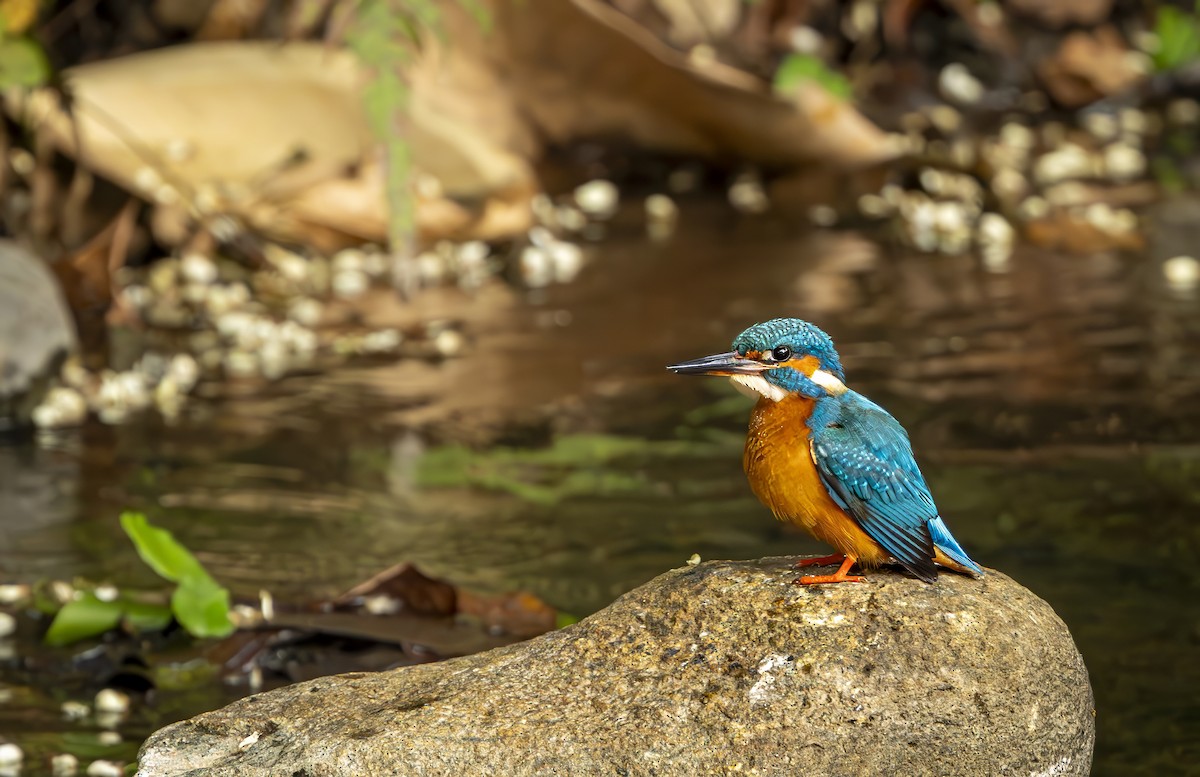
[[36, 332], [724, 665]]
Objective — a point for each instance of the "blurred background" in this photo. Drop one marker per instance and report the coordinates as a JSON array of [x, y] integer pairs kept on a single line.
[[336, 288]]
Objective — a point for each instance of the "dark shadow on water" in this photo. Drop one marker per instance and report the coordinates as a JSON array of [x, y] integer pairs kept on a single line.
[[1053, 408]]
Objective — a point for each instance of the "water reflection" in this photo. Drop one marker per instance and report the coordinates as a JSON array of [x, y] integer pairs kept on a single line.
[[1052, 406]]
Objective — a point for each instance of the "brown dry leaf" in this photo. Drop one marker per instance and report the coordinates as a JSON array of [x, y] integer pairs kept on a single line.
[[1088, 66], [407, 585], [582, 69], [277, 135], [1057, 14]]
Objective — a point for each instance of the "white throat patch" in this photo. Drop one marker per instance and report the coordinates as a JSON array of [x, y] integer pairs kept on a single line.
[[757, 385]]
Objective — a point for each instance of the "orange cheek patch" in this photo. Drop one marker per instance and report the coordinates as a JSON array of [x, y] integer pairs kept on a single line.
[[806, 365]]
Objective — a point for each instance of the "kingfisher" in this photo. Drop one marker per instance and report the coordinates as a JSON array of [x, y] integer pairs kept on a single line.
[[828, 459]]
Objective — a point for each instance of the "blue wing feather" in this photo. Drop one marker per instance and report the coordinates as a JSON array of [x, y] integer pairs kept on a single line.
[[866, 463]]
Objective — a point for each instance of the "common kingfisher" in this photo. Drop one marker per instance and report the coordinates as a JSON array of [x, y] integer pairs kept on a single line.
[[830, 460]]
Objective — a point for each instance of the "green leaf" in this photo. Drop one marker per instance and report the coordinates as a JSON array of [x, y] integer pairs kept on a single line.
[[202, 607], [145, 616], [800, 68], [22, 63], [200, 604], [1178, 38], [160, 550], [564, 619], [81, 618]]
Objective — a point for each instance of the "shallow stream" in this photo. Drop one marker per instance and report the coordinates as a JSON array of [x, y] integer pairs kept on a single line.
[[1053, 408]]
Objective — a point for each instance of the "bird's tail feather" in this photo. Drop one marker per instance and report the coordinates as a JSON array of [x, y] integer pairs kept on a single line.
[[945, 542]]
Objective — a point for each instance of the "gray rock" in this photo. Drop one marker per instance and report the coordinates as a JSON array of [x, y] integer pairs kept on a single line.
[[711, 669], [36, 331]]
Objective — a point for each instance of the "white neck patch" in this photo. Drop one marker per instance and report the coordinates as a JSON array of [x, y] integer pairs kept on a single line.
[[829, 382], [757, 385]]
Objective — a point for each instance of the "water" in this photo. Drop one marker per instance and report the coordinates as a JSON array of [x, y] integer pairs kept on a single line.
[[1053, 409]]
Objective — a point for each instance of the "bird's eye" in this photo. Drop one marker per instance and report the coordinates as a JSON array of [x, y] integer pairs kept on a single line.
[[781, 354]]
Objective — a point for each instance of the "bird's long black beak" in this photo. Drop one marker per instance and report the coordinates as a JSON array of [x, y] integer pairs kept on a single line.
[[719, 364]]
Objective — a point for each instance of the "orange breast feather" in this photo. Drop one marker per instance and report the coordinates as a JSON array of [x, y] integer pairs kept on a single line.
[[782, 474]]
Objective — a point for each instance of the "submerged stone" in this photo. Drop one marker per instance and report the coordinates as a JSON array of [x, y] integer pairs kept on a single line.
[[723, 666]]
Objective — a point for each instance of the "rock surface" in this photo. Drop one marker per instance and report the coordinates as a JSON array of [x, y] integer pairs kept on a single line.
[[36, 331], [710, 669]]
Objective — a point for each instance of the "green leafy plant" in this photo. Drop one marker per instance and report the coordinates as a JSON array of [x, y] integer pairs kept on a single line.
[[1178, 35], [800, 68], [23, 62], [386, 36], [198, 602]]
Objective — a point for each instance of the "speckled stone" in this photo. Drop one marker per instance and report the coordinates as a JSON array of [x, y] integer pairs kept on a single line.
[[719, 668]]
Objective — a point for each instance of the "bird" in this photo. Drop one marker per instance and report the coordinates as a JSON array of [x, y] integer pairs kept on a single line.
[[828, 459]]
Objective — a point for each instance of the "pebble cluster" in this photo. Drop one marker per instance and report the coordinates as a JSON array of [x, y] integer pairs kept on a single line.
[[106, 711], [234, 322]]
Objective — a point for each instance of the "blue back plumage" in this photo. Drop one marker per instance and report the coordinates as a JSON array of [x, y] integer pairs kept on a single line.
[[866, 463]]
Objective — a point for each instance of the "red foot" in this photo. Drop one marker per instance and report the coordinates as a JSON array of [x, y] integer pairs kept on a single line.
[[820, 561], [839, 576]]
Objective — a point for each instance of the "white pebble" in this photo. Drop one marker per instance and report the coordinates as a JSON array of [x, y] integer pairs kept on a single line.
[[61, 407], [431, 269], [8, 625], [350, 259], [1123, 162], [273, 359], [241, 364], [598, 199], [1033, 208], [957, 84], [1009, 185], [805, 40], [1182, 272], [14, 593], [104, 768], [566, 260], [747, 195], [381, 341], [184, 370], [570, 218], [1065, 162], [348, 284], [306, 311], [109, 738], [106, 593], [874, 206], [64, 765], [473, 253], [10, 754], [111, 700], [449, 342], [75, 710], [1101, 125], [662, 215], [198, 269], [1017, 136], [537, 271]]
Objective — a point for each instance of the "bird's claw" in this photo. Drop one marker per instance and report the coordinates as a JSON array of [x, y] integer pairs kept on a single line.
[[820, 579]]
